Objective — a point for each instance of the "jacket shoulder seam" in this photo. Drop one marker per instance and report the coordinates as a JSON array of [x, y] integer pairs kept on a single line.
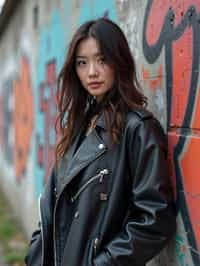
[[143, 114]]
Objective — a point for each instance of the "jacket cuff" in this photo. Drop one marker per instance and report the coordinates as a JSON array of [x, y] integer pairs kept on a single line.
[[103, 259]]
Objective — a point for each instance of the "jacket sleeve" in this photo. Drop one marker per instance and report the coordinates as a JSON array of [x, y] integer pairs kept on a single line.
[[36, 248], [150, 220]]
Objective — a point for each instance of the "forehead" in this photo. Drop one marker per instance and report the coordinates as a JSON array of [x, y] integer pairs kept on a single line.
[[88, 47]]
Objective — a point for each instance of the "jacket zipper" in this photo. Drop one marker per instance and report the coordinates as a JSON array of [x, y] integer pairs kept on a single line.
[[54, 233], [42, 233], [95, 246], [99, 176]]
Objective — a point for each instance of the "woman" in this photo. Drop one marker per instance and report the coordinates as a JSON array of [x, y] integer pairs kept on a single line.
[[108, 200]]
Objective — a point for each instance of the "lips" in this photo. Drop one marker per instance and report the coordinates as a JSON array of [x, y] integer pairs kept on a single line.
[[95, 85]]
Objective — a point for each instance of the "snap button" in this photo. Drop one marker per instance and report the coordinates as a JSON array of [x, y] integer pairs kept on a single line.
[[76, 215], [103, 196], [55, 192], [101, 146]]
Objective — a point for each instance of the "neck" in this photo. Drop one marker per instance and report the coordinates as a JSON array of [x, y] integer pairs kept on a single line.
[[99, 98]]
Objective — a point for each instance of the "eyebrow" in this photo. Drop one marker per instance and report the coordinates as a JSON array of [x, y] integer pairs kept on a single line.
[[83, 56]]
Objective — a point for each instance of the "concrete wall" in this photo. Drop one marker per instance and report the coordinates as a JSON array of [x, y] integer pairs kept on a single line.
[[164, 38]]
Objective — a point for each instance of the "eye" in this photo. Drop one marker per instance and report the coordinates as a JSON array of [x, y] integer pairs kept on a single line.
[[101, 60], [80, 62]]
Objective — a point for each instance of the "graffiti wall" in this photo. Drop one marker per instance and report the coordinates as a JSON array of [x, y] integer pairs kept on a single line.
[[51, 51], [28, 96], [7, 119], [23, 118], [164, 39], [172, 28]]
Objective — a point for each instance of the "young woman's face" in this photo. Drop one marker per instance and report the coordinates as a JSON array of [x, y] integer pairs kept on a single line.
[[96, 76]]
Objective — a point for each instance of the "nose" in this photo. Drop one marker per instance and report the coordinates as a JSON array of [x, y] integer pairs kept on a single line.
[[92, 71]]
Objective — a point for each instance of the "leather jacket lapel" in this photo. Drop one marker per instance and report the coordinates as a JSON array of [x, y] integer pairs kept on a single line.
[[65, 162], [91, 148]]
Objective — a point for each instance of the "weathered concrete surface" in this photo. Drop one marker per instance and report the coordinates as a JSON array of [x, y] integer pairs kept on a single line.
[[164, 39]]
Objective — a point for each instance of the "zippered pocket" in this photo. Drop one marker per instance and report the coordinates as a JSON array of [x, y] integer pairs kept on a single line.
[[99, 176]]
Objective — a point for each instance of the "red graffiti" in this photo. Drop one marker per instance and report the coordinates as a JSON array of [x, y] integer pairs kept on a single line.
[[158, 12], [47, 107], [173, 25]]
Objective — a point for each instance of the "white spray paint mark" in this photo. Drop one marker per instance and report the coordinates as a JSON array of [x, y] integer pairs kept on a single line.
[[130, 28], [25, 44]]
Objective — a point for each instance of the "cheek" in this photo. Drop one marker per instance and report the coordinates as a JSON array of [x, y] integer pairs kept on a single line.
[[110, 77], [80, 76]]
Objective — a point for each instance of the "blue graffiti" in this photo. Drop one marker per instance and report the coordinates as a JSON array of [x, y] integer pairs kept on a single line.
[[180, 254], [51, 49], [94, 9]]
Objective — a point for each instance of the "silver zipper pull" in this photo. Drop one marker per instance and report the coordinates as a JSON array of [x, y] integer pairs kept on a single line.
[[96, 243], [55, 192], [72, 199], [102, 173]]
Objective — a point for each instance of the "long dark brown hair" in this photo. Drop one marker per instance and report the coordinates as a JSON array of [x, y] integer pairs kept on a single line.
[[73, 99]]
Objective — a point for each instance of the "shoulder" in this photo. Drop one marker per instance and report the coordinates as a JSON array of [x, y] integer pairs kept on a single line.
[[137, 116], [143, 123]]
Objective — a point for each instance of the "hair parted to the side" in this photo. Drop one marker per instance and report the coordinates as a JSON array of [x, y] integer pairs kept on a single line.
[[73, 98]]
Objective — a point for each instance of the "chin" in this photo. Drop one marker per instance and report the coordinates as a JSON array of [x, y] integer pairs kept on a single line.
[[97, 94]]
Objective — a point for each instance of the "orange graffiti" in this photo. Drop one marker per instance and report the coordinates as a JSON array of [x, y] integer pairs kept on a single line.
[[158, 12], [190, 168], [23, 118], [173, 25], [182, 64]]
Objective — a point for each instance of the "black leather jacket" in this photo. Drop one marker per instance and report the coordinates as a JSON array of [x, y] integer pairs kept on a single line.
[[123, 212]]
